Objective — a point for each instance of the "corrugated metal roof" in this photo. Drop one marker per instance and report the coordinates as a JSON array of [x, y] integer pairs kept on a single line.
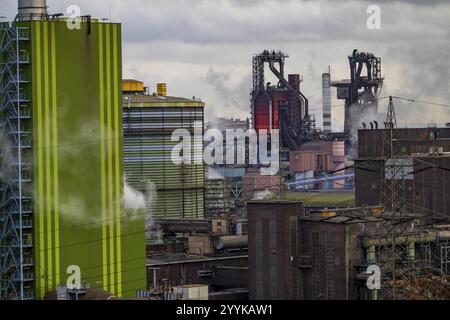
[[158, 101]]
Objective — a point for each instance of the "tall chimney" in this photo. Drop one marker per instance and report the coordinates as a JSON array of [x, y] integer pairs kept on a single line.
[[32, 10], [326, 99]]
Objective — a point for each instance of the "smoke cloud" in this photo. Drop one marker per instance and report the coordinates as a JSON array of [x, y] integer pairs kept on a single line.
[[137, 203], [232, 97]]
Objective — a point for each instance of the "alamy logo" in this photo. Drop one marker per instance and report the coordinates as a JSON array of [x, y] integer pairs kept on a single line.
[[374, 19], [74, 17], [374, 280], [263, 148], [74, 280]]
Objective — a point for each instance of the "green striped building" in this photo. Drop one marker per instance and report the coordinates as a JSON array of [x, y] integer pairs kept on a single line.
[[61, 106], [148, 122]]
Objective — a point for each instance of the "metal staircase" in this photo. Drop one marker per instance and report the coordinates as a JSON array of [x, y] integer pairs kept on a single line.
[[16, 210]]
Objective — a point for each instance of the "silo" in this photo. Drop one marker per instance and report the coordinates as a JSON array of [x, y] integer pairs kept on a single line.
[[32, 10]]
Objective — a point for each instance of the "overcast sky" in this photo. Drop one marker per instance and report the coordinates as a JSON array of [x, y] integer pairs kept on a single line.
[[203, 48]]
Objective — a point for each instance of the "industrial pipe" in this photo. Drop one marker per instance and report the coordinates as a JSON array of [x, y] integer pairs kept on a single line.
[[412, 250], [184, 226], [387, 241], [229, 242], [288, 85]]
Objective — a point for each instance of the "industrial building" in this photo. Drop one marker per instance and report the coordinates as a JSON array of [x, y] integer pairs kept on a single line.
[[332, 264], [280, 106], [224, 124], [148, 123], [213, 254], [319, 165], [256, 186], [229, 175], [361, 91], [169, 270], [62, 174], [217, 197], [324, 254], [425, 153], [273, 249]]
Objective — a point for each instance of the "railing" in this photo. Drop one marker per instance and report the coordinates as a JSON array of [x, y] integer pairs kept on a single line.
[[28, 209], [19, 78], [28, 262], [27, 176], [16, 131], [26, 243], [25, 224], [16, 195], [26, 143], [23, 114], [18, 97], [23, 35], [27, 276], [24, 57], [28, 296]]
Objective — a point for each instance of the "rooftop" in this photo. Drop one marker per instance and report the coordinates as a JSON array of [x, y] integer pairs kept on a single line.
[[146, 100], [274, 202], [177, 258]]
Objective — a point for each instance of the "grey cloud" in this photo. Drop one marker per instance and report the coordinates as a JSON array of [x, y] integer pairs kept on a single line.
[[204, 47], [231, 97]]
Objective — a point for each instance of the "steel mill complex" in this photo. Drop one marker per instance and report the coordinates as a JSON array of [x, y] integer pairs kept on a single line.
[[108, 191]]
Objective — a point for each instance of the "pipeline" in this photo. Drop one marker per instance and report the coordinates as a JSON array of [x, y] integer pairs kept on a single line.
[[230, 242], [387, 241]]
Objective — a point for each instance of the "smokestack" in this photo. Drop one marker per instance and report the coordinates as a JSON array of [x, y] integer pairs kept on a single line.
[[326, 99], [32, 10]]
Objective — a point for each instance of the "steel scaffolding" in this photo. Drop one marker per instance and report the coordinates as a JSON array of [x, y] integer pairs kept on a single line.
[[16, 211]]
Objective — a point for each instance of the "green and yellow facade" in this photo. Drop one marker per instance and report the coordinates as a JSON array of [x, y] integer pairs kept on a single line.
[[76, 156]]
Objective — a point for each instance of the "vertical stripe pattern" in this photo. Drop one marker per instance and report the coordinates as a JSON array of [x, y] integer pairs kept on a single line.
[[48, 273], [55, 156], [110, 150], [48, 188]]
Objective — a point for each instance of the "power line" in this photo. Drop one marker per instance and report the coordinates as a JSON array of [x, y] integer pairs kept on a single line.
[[395, 97], [125, 217], [424, 102], [100, 275], [92, 241]]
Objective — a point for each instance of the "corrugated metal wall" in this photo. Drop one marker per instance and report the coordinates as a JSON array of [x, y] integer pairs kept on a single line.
[[147, 157], [273, 249], [427, 188]]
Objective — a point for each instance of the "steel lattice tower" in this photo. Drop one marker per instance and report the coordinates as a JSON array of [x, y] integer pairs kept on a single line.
[[402, 239], [16, 263]]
